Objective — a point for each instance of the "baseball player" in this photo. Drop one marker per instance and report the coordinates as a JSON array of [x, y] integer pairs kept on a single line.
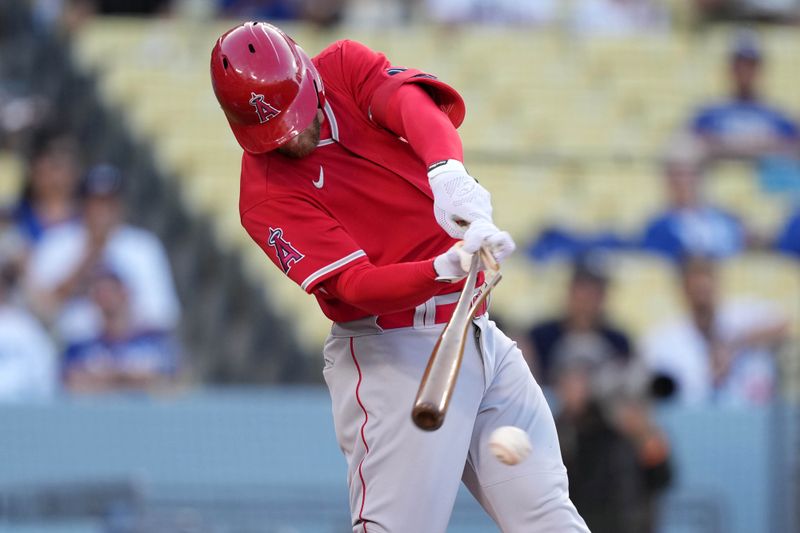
[[352, 183]]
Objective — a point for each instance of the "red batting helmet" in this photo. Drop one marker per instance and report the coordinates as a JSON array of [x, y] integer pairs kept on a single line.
[[266, 85]]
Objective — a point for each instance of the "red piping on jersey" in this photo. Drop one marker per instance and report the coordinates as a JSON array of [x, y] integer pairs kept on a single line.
[[363, 438]]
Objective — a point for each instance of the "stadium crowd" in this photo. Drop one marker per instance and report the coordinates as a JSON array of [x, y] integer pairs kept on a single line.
[[723, 351], [93, 296], [581, 17], [88, 303]]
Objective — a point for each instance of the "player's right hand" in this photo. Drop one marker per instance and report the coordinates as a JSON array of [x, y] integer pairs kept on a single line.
[[453, 265], [458, 200]]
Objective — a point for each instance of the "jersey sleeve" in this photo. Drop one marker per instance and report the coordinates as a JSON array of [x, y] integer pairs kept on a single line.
[[372, 81], [306, 243]]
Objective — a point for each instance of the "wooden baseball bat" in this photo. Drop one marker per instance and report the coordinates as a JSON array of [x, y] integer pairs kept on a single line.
[[439, 379]]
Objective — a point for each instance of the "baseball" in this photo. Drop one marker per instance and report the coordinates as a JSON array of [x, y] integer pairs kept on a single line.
[[510, 444]]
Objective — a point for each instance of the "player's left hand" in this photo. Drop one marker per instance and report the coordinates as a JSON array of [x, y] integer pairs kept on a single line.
[[458, 199], [482, 233]]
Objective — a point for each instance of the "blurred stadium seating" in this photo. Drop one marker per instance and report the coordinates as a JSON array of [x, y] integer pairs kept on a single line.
[[560, 129]]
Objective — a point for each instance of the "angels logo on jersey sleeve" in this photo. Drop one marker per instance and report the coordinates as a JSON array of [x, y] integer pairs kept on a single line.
[[264, 110], [287, 254]]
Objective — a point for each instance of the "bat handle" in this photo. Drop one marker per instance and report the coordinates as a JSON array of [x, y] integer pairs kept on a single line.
[[488, 260]]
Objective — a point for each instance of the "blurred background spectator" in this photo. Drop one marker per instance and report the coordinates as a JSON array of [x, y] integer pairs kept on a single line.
[[746, 125], [28, 361], [788, 239], [121, 357], [690, 224], [775, 11], [49, 197], [541, 12], [555, 242], [583, 329], [260, 10], [617, 459], [142, 7], [618, 17], [723, 350], [62, 264]]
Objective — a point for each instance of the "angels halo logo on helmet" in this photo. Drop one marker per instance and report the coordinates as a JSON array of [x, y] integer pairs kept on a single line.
[[263, 109], [256, 65]]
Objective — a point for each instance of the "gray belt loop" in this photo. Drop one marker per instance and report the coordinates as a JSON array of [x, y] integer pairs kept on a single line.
[[420, 315]]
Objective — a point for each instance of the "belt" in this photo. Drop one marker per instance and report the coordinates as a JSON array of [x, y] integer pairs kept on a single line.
[[436, 310]]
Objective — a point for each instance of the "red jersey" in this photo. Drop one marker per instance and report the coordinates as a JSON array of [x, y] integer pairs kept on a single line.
[[361, 196]]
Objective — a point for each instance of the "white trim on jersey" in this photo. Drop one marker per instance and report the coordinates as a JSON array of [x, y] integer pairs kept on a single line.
[[332, 119], [330, 268], [334, 127]]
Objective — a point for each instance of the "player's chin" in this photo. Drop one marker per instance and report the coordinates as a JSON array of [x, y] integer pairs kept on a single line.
[[302, 145], [297, 150]]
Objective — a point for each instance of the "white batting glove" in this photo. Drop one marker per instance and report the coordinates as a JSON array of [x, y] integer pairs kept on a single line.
[[458, 199], [482, 233], [453, 265]]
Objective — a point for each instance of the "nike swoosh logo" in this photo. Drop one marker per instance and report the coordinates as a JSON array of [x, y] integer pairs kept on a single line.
[[321, 181]]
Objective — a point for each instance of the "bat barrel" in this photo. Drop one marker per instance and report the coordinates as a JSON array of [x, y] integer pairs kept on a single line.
[[439, 379], [427, 416]]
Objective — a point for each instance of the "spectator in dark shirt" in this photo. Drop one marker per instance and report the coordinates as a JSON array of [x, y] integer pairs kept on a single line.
[[616, 457], [583, 329], [713, 11], [139, 7], [690, 225], [49, 197], [745, 126], [121, 357]]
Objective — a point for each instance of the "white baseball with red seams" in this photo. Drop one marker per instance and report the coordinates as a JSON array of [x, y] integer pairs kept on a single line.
[[510, 445]]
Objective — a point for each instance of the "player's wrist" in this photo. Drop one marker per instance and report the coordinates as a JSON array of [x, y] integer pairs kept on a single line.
[[446, 165], [429, 269]]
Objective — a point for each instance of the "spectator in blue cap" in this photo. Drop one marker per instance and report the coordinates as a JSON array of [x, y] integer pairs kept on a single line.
[[745, 125], [62, 264]]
